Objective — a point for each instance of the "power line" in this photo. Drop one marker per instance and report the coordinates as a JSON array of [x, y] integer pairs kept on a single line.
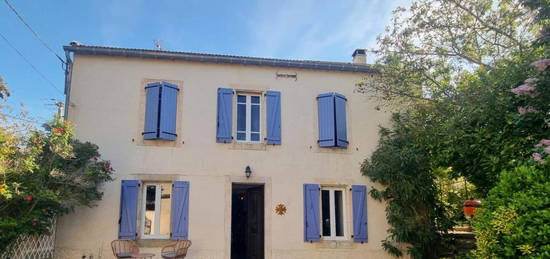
[[33, 32], [30, 64]]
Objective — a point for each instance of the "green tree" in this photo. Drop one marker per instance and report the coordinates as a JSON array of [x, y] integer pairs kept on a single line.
[[471, 90], [427, 47], [415, 214]]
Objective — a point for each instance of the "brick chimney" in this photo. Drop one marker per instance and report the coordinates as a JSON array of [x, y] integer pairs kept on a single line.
[[359, 56]]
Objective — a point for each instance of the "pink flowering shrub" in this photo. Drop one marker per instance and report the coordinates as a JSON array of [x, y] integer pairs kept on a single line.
[[538, 157], [524, 111], [528, 88], [544, 142], [531, 81], [541, 65], [543, 145], [537, 104]]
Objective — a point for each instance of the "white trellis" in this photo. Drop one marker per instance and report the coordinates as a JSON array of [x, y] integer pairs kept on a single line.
[[31, 247]]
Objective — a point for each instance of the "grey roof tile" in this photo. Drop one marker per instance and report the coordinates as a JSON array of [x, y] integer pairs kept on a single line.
[[215, 58]]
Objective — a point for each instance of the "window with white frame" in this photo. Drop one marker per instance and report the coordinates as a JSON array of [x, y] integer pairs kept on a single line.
[[332, 213], [248, 117], [156, 208]]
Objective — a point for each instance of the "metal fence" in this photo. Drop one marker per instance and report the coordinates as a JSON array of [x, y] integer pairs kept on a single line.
[[31, 247]]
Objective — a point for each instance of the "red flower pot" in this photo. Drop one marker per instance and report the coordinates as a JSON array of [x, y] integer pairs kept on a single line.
[[470, 207]]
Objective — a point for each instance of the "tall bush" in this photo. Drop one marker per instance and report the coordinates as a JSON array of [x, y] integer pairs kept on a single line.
[[43, 175], [415, 214], [515, 219]]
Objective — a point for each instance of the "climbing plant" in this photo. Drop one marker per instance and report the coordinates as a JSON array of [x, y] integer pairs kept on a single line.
[[45, 174]]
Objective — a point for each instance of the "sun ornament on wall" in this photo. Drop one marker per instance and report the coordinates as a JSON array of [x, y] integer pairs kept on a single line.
[[280, 209]]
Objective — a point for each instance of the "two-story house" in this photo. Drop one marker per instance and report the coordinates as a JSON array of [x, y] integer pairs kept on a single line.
[[246, 157]]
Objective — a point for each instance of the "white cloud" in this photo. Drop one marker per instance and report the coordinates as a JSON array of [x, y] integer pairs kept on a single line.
[[314, 29]]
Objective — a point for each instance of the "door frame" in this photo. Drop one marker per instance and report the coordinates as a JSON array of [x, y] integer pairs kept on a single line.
[[266, 182]]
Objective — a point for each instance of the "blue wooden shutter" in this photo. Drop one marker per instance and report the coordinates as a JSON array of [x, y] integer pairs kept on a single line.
[[224, 120], [360, 230], [325, 105], [150, 130], [180, 210], [273, 101], [311, 213], [128, 209], [168, 111], [340, 115]]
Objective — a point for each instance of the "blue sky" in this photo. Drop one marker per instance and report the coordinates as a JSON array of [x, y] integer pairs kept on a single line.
[[300, 29]]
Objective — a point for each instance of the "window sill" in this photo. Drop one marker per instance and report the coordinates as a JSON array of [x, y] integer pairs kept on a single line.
[[334, 150], [259, 146], [153, 242], [158, 142], [335, 244], [328, 239]]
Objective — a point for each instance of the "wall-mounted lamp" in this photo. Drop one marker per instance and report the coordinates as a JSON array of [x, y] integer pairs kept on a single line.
[[247, 171]]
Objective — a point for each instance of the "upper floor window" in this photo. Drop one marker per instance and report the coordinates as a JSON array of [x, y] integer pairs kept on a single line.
[[332, 120], [160, 111], [248, 117]]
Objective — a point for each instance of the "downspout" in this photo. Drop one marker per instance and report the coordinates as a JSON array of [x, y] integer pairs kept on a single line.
[[68, 77]]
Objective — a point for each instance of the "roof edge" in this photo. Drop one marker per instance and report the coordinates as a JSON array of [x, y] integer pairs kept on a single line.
[[214, 58]]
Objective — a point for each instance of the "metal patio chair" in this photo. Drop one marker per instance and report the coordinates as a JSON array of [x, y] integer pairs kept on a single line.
[[177, 250], [124, 248]]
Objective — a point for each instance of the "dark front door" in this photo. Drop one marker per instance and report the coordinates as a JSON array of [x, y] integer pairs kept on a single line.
[[247, 222]]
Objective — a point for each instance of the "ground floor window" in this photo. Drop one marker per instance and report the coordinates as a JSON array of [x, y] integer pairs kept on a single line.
[[332, 213], [156, 210]]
